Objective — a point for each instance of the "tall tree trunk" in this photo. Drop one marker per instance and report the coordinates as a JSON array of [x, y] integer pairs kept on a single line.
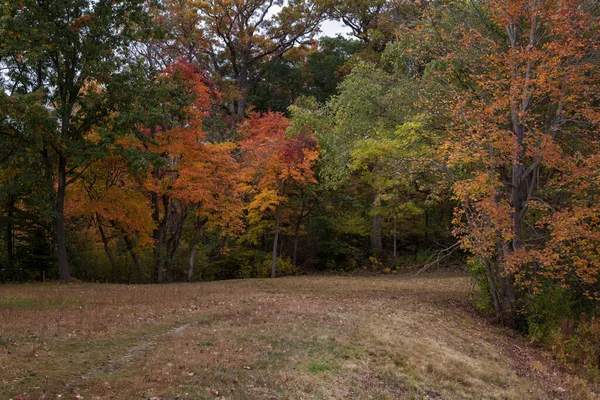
[[176, 220], [10, 235], [274, 257], [59, 220], [395, 240], [376, 242], [277, 221], [134, 257], [295, 253], [426, 226], [520, 192], [159, 235], [200, 222], [107, 248]]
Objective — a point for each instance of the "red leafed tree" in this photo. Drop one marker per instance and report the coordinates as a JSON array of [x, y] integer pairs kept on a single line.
[[271, 159], [524, 141], [188, 175]]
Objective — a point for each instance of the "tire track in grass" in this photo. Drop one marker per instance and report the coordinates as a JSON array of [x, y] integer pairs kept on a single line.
[[143, 347]]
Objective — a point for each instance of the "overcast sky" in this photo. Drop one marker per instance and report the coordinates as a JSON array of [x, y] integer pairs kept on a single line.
[[333, 28]]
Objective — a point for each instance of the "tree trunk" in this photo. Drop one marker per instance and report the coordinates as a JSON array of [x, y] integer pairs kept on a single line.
[[10, 235], [136, 262], [176, 221], [491, 276], [376, 242], [243, 103], [107, 248], [159, 258], [277, 221], [295, 253], [59, 220], [245, 84], [395, 240], [299, 220], [501, 286], [243, 87], [426, 226], [200, 222], [159, 235], [274, 258], [265, 241], [509, 315]]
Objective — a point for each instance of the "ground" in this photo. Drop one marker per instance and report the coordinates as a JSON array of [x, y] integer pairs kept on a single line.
[[310, 337]]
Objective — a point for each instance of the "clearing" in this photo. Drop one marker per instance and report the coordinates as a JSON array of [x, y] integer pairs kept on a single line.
[[313, 337]]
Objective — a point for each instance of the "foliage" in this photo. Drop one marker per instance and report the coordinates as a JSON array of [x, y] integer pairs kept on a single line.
[[70, 55], [374, 22], [159, 141], [517, 77], [481, 298], [238, 41], [582, 349], [315, 72], [273, 161], [544, 313]]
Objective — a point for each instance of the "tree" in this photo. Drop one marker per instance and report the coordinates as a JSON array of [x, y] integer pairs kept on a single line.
[[211, 186], [239, 40], [371, 105], [109, 195], [314, 72], [374, 22], [524, 112], [271, 162], [59, 48], [186, 174], [26, 181]]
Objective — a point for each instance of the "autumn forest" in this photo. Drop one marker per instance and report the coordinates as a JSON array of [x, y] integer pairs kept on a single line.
[[158, 141]]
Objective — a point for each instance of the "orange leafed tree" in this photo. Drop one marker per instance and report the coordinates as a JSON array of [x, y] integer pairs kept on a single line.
[[524, 141], [189, 175], [209, 184], [110, 196], [271, 160]]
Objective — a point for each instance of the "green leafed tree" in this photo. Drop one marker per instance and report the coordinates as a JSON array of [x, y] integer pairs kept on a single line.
[[67, 53]]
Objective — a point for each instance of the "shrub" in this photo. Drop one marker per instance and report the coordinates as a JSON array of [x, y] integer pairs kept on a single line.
[[544, 312], [480, 298], [258, 265], [283, 266], [582, 350]]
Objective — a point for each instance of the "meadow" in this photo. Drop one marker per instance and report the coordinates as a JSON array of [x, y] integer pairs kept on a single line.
[[309, 337]]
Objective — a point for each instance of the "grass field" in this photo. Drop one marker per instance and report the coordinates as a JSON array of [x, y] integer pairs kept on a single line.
[[385, 337]]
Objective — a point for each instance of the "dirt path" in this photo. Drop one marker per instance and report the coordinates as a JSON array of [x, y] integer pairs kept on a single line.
[[392, 337], [142, 348]]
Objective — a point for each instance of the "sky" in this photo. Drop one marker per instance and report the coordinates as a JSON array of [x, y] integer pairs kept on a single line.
[[328, 27], [333, 28]]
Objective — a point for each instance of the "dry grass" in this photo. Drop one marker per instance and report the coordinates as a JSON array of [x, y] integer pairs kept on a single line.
[[291, 338]]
